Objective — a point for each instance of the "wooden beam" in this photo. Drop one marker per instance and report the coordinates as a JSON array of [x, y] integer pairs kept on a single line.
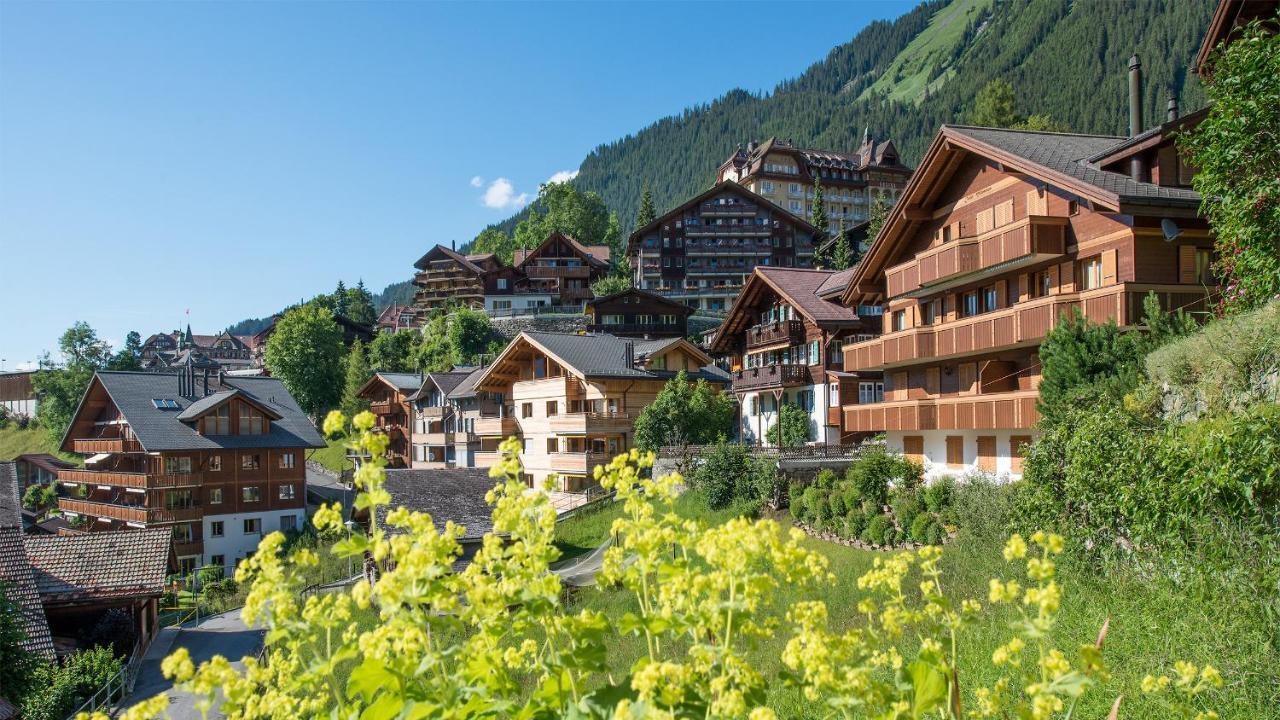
[[916, 214]]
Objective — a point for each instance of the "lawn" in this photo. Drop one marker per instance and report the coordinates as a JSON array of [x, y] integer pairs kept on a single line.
[[1152, 624], [15, 442], [332, 456]]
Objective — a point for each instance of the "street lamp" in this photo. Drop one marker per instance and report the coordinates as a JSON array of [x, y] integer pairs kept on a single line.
[[351, 525]]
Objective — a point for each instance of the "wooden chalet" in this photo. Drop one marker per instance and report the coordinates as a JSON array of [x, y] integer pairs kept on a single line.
[[446, 277], [435, 424], [638, 313], [562, 268], [388, 396], [783, 340]]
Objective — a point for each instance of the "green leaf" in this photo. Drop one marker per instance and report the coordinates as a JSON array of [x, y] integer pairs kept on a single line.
[[384, 708], [929, 687], [368, 678]]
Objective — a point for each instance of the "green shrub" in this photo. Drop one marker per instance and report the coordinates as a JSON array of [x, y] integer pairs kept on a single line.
[[855, 522], [809, 503], [919, 531], [724, 474], [906, 506], [794, 492], [836, 502], [874, 532], [891, 535], [826, 478], [937, 494], [872, 474], [935, 534]]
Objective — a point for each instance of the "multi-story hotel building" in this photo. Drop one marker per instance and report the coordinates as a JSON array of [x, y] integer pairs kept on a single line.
[[217, 460], [576, 397], [388, 395], [999, 235], [701, 252], [446, 277], [783, 339], [785, 174]]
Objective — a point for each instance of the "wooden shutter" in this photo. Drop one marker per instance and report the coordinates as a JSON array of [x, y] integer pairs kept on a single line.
[[1036, 203], [1004, 213], [1002, 294], [986, 220], [1109, 267], [931, 378], [1024, 287], [1066, 275], [913, 447], [968, 376], [900, 386], [1017, 446], [1187, 264], [955, 451], [987, 453]]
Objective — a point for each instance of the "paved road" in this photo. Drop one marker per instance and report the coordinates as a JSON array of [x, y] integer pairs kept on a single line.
[[581, 571], [224, 635]]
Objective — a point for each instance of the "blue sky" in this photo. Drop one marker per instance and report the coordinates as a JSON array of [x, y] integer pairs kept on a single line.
[[231, 158]]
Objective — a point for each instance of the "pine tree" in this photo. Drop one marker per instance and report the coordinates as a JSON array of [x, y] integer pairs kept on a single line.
[[357, 374], [841, 254], [341, 303], [647, 212], [818, 214]]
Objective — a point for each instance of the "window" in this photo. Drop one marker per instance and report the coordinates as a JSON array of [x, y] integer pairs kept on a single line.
[[553, 445], [815, 353], [1073, 207], [250, 494], [252, 526], [215, 496], [501, 304], [755, 405], [1091, 273], [286, 492], [955, 451], [833, 395], [215, 463], [928, 312], [250, 420], [502, 283], [767, 186], [989, 299], [182, 533], [216, 529], [165, 403], [899, 320], [218, 422], [1204, 266], [177, 466], [552, 408], [526, 410], [218, 560], [870, 392], [796, 206], [1042, 285], [969, 304], [613, 319], [288, 523], [286, 461], [250, 462], [666, 262]]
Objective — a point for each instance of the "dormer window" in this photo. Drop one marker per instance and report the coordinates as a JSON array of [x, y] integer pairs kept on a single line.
[[218, 422], [251, 421]]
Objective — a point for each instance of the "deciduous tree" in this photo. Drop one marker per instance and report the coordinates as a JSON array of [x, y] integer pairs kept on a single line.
[[685, 413], [394, 351], [791, 429], [61, 385], [130, 356], [306, 352]]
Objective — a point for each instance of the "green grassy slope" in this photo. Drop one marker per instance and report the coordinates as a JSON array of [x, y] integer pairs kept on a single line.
[[928, 60], [15, 442]]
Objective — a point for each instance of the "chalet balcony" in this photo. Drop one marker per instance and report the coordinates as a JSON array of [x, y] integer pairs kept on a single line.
[[495, 426], [1029, 241], [487, 458], [135, 480], [776, 332], [994, 411], [637, 328], [577, 463], [542, 271], [129, 513], [433, 438], [728, 230], [1019, 325], [434, 411], [771, 376], [383, 407], [581, 422], [105, 445], [183, 549], [736, 209]]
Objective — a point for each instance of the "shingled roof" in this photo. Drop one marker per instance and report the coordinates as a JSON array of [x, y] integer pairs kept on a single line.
[[800, 288], [591, 355], [467, 387], [134, 393], [101, 565], [445, 382], [20, 588], [453, 494], [1068, 154], [402, 381]]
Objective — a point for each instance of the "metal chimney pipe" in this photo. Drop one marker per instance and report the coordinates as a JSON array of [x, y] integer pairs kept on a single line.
[[1171, 110], [1137, 167]]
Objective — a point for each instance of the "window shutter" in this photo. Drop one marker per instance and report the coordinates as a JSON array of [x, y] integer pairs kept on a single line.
[[968, 375], [1187, 264], [986, 220], [1004, 213], [1053, 280], [1022, 283], [1067, 276], [1002, 293], [1109, 267]]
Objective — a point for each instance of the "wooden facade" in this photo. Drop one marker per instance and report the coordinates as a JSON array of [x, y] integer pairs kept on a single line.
[[984, 255], [388, 398], [562, 268], [638, 313]]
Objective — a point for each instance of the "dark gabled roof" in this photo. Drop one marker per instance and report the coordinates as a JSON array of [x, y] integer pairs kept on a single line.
[[401, 381], [589, 254], [20, 588], [444, 382], [453, 255], [645, 348], [591, 355], [836, 283], [679, 307], [799, 287], [101, 565], [726, 185], [209, 402], [453, 494], [133, 394], [1066, 155], [467, 387], [1229, 15]]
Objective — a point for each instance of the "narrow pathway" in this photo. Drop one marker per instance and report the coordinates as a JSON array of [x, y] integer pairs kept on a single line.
[[224, 635], [582, 570]]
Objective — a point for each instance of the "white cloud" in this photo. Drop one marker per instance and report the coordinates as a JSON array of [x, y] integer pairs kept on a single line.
[[563, 176], [501, 194], [477, 181]]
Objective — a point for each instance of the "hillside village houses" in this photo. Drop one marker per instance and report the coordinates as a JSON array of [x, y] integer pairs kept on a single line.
[[1000, 234]]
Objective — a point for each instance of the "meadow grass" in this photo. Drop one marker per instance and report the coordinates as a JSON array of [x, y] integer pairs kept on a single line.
[[15, 441]]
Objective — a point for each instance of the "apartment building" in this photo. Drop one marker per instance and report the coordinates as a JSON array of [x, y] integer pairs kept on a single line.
[[701, 252], [785, 173], [638, 313], [223, 351], [783, 341], [446, 277], [561, 268], [388, 395], [434, 421], [999, 235], [483, 418], [217, 460], [576, 397]]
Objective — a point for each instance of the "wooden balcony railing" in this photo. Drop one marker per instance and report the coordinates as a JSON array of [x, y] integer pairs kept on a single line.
[[182, 549], [1022, 324], [771, 376], [583, 421], [129, 479], [994, 411], [1032, 239], [790, 331], [542, 271], [433, 438], [578, 462], [728, 230], [129, 513], [503, 426], [728, 209], [637, 328], [105, 445]]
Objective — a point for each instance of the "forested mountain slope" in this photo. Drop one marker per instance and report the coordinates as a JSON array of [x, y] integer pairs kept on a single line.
[[1065, 58]]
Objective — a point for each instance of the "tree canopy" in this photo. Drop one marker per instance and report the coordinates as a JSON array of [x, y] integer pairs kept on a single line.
[[685, 413], [306, 353], [791, 429], [60, 385]]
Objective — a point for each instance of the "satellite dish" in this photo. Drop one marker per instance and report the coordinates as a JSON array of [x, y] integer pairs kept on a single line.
[[1170, 229]]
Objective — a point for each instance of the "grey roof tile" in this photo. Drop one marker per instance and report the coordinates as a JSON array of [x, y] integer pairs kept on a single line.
[[453, 494], [100, 565], [592, 355], [402, 381], [467, 387], [20, 587]]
